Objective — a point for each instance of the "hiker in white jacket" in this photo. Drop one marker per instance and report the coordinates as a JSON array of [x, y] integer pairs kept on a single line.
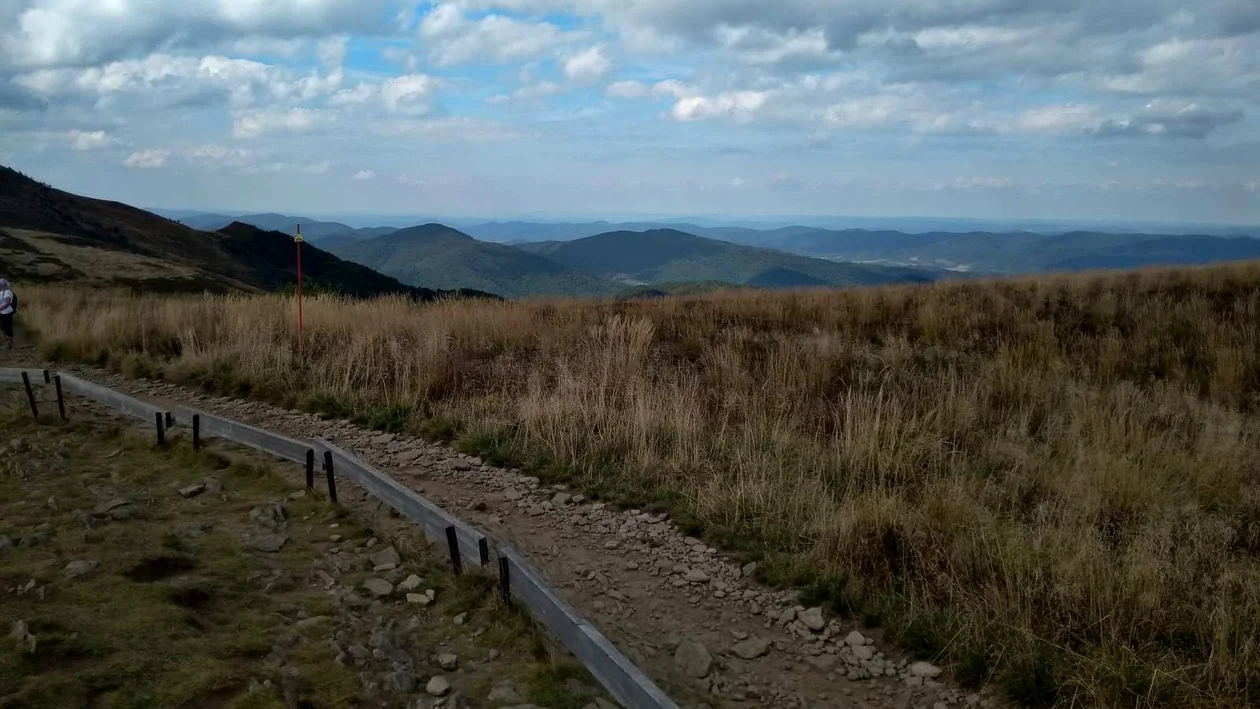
[[8, 307]]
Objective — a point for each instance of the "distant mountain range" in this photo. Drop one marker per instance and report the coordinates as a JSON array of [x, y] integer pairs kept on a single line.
[[47, 236]]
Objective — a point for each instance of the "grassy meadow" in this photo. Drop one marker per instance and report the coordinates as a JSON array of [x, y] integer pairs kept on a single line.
[[1048, 483]]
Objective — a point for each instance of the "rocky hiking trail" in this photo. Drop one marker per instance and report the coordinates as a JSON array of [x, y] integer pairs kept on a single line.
[[696, 621], [140, 576]]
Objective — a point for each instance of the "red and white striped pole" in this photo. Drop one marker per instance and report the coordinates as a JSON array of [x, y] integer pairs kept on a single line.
[[297, 239]]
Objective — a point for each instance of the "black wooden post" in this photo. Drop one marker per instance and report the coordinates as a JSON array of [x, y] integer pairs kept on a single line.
[[505, 586], [328, 472], [196, 432], [170, 420], [47, 378], [452, 541], [30, 395], [161, 429], [61, 402], [310, 469]]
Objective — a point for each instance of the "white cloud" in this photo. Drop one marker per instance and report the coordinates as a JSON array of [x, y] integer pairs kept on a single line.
[[452, 38], [408, 94], [973, 182], [1063, 118], [459, 129], [628, 89], [214, 154], [364, 175], [736, 105], [530, 92], [90, 140], [147, 159], [50, 33], [587, 65], [332, 51], [255, 123], [362, 93]]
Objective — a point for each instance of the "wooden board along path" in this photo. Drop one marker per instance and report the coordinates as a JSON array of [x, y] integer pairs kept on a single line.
[[621, 677], [11, 375], [129, 405], [244, 434], [473, 546]]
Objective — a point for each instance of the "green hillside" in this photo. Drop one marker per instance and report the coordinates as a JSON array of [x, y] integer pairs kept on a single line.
[[437, 256], [668, 255]]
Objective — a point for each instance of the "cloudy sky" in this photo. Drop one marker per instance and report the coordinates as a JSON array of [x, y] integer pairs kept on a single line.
[[1123, 109]]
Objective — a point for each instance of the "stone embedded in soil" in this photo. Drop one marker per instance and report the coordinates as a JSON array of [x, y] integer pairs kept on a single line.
[[505, 692], [379, 588], [75, 569], [270, 543], [388, 555], [192, 490], [693, 659], [752, 648], [438, 686], [855, 639], [925, 670], [448, 661], [813, 619], [411, 584]]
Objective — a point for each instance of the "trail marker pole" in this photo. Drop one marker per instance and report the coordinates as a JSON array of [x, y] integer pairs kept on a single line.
[[160, 422], [297, 240], [30, 395], [310, 469], [196, 422]]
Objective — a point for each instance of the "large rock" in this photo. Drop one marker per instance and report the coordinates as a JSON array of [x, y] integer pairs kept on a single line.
[[388, 555], [752, 648], [505, 693], [693, 659], [82, 567], [925, 670], [270, 543], [448, 661], [378, 588], [855, 639], [192, 490], [438, 686], [813, 619], [273, 516]]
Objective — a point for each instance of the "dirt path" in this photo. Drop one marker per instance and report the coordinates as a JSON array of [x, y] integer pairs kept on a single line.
[[700, 626]]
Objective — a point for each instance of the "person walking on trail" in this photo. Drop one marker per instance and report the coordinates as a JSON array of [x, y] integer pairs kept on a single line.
[[8, 308]]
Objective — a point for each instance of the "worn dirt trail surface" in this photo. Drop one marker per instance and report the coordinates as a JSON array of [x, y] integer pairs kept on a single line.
[[694, 620]]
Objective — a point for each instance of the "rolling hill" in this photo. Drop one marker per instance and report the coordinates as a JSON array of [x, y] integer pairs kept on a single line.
[[312, 229], [442, 257], [47, 235], [669, 255]]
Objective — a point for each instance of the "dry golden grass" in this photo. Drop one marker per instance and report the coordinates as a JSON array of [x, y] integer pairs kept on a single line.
[[1052, 483]]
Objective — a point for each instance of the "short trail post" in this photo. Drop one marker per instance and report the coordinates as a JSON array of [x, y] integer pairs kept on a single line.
[[160, 421], [61, 402], [310, 469], [505, 584], [328, 472], [196, 424], [452, 541], [30, 395]]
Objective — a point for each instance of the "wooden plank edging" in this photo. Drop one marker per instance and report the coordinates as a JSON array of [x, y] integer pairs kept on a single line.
[[473, 546], [621, 677]]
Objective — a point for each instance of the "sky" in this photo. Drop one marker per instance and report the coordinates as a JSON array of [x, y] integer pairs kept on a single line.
[[1059, 109]]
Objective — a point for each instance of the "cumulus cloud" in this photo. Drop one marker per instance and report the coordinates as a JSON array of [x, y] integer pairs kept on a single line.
[[252, 124], [528, 92], [453, 38], [587, 65], [90, 140], [52, 33], [628, 89], [736, 105], [408, 94], [147, 158], [362, 175]]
